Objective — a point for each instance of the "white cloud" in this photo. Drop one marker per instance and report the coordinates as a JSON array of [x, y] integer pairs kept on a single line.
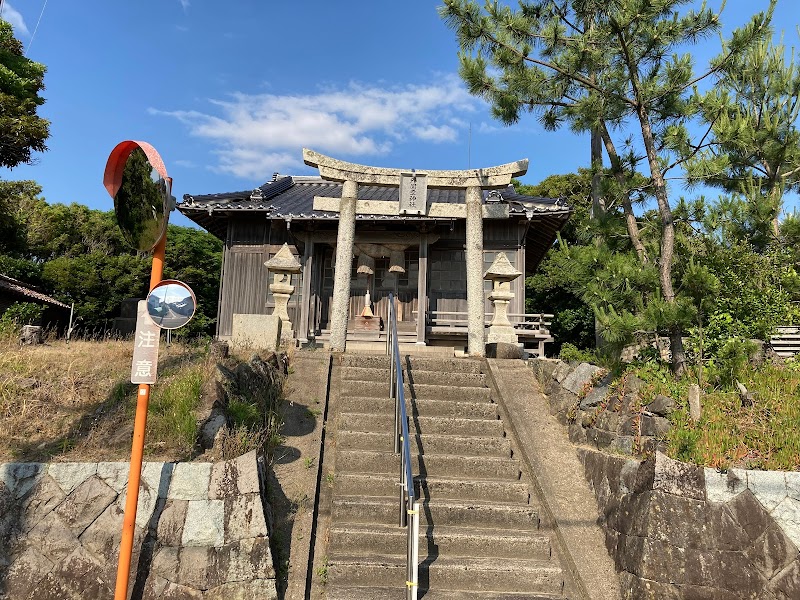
[[185, 5], [186, 164], [432, 133], [11, 15], [256, 134]]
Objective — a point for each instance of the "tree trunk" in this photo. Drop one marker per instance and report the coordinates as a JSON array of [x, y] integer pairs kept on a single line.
[[776, 197], [667, 237], [630, 219], [598, 209], [598, 205], [678, 352]]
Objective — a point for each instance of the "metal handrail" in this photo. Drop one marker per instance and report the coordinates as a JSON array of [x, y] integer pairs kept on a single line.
[[409, 505]]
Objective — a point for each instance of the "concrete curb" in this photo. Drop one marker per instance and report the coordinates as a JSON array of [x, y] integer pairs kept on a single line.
[[558, 479]]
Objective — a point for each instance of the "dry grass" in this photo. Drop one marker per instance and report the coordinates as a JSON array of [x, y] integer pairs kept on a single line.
[[75, 402]]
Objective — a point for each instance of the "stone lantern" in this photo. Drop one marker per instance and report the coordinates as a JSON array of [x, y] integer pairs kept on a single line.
[[282, 265], [501, 340]]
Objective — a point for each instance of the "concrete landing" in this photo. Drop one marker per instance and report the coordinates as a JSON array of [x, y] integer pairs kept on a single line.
[[563, 494]]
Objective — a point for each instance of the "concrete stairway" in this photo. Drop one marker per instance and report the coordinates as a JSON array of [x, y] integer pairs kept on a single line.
[[480, 535]]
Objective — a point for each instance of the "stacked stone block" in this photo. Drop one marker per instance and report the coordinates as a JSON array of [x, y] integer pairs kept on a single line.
[[201, 531], [581, 397], [679, 532]]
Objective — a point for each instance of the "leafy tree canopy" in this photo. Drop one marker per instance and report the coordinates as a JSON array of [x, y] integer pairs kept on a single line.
[[22, 131], [752, 146], [78, 255]]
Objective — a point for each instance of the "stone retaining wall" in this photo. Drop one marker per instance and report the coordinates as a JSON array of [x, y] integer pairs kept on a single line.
[[201, 531], [675, 531], [581, 397], [681, 532]]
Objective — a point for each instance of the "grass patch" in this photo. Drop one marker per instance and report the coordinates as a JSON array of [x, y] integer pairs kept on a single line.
[[53, 396], [322, 571], [75, 402], [762, 435], [172, 422], [255, 408]]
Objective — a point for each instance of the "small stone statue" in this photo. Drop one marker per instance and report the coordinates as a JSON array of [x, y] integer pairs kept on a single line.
[[367, 312]]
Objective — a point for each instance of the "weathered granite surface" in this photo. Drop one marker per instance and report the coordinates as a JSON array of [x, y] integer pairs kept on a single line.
[[677, 531], [201, 531], [581, 397], [257, 332], [340, 304], [476, 336]]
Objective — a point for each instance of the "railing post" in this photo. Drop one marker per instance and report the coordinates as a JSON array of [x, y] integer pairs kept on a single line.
[[414, 533], [403, 516], [409, 559]]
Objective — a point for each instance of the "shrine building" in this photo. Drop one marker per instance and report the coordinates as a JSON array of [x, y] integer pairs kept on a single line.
[[429, 237]]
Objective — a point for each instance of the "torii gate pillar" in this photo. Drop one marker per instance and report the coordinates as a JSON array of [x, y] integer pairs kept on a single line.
[[476, 345], [340, 307]]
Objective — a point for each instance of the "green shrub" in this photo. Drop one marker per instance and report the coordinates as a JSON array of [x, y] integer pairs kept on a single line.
[[571, 353], [23, 313], [255, 410], [731, 361]]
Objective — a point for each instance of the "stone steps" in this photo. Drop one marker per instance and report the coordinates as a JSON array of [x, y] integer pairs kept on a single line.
[[416, 376], [370, 484], [461, 513], [439, 540], [458, 573], [480, 535], [442, 465], [433, 426], [351, 387], [421, 407], [382, 593], [423, 363], [442, 444]]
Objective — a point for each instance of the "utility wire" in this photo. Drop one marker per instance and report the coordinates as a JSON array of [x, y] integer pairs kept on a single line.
[[35, 29]]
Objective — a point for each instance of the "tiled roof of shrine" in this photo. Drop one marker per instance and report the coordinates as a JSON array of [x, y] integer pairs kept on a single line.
[[292, 197]]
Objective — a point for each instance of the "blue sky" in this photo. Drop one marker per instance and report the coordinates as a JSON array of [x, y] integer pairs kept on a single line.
[[230, 93]]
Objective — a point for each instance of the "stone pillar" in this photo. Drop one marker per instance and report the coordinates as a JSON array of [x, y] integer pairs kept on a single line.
[[305, 307], [422, 289], [474, 246], [340, 307]]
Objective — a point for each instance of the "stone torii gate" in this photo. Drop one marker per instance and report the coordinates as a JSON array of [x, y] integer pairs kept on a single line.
[[413, 201]]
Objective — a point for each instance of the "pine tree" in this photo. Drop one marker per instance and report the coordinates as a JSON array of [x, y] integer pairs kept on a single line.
[[620, 74], [754, 149]]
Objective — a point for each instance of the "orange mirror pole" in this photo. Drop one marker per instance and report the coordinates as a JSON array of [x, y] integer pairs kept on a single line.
[[137, 451]]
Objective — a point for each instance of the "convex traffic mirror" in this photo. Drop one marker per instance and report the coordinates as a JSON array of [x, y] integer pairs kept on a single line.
[[171, 304], [142, 202], [136, 178]]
